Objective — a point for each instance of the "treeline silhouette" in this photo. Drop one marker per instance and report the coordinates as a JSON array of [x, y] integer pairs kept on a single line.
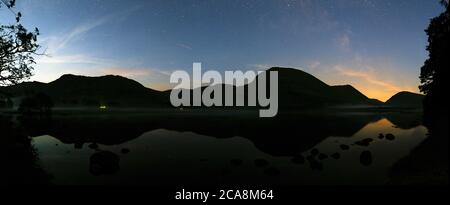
[[434, 73], [428, 163]]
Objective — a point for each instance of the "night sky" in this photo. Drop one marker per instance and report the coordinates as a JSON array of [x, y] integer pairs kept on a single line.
[[377, 46]]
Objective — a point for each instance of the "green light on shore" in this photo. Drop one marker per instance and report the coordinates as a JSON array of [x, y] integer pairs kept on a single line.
[[103, 107]]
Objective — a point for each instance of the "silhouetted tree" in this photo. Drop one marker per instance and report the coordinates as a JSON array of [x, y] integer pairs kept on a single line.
[[20, 165], [434, 72], [17, 48]]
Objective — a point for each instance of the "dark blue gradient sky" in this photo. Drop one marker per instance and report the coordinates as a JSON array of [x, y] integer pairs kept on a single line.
[[376, 45]]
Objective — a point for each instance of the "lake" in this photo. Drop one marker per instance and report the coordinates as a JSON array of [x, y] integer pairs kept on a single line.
[[355, 149]]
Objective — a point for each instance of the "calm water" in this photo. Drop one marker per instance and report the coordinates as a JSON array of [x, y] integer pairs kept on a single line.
[[162, 156]]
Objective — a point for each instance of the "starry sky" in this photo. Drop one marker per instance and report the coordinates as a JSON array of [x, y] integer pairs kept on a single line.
[[378, 46]]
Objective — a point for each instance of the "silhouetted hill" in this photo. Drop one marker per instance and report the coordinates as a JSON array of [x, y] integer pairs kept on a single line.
[[297, 89], [73, 90], [300, 89], [405, 100], [25, 88], [349, 94]]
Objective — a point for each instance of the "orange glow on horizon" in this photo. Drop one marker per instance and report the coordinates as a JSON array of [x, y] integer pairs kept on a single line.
[[379, 84]]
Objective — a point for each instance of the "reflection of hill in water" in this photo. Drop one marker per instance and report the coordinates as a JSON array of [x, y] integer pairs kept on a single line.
[[405, 120], [283, 135]]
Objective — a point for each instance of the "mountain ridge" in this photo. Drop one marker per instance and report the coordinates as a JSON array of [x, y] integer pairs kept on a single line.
[[405, 99], [297, 88]]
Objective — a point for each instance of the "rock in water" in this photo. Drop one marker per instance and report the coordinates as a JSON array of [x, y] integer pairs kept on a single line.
[[366, 158], [365, 142], [390, 137], [344, 147]]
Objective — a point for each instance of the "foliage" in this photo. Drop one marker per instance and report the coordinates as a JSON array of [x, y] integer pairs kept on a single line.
[[18, 46], [434, 72]]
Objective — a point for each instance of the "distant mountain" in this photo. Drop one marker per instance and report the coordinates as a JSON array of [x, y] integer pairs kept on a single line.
[[300, 89], [73, 90], [405, 100], [297, 89], [352, 95]]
